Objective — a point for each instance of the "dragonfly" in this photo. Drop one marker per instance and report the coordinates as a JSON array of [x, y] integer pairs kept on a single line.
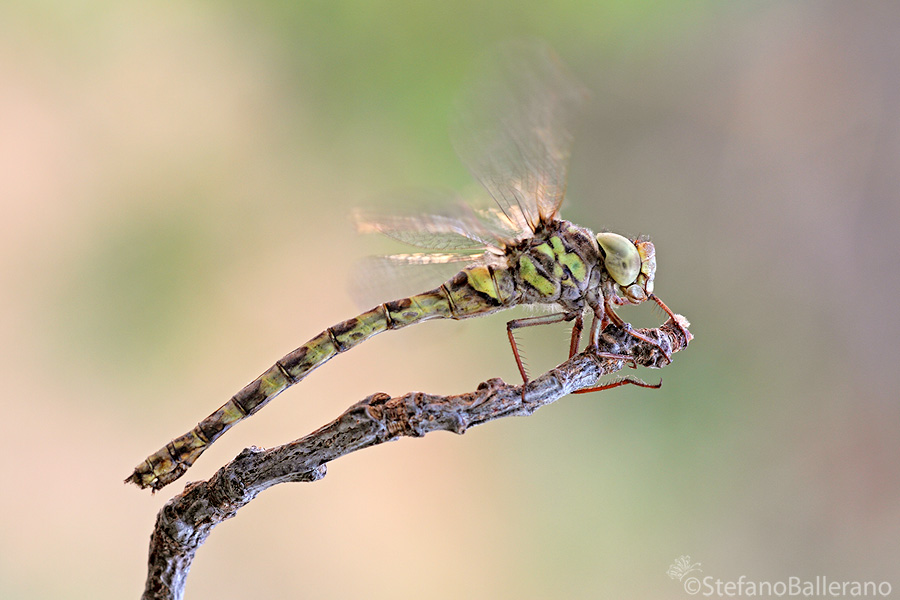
[[513, 132]]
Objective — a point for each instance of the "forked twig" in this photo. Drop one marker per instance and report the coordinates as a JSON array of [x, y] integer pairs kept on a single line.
[[186, 520]]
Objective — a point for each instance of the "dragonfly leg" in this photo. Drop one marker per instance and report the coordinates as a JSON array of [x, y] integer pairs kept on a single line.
[[624, 357], [540, 320], [669, 312], [617, 383], [602, 318], [577, 328], [597, 325], [618, 322]]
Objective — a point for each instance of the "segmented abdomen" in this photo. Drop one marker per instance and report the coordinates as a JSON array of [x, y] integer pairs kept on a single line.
[[473, 291]]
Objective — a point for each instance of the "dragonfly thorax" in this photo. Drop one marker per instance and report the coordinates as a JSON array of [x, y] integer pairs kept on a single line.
[[570, 266], [558, 265]]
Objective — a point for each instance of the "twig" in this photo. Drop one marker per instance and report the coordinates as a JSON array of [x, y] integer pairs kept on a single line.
[[185, 522]]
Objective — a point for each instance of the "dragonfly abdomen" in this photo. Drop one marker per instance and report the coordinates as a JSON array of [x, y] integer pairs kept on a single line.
[[475, 290]]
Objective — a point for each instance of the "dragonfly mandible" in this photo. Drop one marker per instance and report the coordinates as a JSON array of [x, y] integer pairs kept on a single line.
[[513, 133]]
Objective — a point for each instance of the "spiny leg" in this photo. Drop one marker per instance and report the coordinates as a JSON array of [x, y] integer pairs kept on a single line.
[[618, 382], [669, 312], [663, 306], [540, 320], [576, 338], [615, 319], [599, 323], [627, 328], [597, 326], [601, 320]]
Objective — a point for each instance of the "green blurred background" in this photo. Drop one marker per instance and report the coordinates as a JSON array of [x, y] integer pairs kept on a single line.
[[175, 181]]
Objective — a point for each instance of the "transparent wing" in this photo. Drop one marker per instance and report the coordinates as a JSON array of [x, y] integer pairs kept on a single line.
[[513, 130], [455, 226], [377, 279], [460, 233]]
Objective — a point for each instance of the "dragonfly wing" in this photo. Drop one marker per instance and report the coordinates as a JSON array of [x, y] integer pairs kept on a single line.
[[456, 226], [513, 130], [377, 279], [458, 233]]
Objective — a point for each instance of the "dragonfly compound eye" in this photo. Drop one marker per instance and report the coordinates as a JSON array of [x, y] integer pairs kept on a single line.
[[621, 257]]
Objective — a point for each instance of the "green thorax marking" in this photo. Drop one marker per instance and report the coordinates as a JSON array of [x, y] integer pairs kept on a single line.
[[529, 273], [548, 252], [570, 260]]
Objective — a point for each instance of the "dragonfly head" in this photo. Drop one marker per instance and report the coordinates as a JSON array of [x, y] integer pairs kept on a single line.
[[630, 264]]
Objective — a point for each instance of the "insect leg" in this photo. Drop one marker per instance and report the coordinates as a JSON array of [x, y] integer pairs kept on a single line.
[[669, 312], [531, 322], [576, 335], [617, 383], [618, 322]]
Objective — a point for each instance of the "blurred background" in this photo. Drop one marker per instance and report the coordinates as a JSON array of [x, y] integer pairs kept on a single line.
[[175, 182]]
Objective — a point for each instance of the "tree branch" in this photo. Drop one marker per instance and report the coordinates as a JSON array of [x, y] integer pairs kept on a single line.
[[185, 522]]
